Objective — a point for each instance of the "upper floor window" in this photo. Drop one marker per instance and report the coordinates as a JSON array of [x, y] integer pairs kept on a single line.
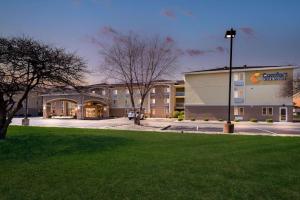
[[93, 91], [103, 92], [238, 76], [115, 92], [238, 93], [167, 89], [167, 100], [153, 90], [127, 91]]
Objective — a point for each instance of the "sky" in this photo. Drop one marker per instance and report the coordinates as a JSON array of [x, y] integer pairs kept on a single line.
[[268, 31]]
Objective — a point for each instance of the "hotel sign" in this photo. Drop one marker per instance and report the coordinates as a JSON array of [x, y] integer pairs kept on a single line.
[[278, 76]]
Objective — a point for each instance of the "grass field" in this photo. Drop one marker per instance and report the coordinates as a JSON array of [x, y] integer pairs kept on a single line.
[[58, 163]]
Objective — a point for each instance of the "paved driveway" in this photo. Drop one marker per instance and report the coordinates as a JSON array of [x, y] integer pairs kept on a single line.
[[156, 124], [240, 127]]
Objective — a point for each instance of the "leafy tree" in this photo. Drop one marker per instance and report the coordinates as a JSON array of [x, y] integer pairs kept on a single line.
[[26, 64]]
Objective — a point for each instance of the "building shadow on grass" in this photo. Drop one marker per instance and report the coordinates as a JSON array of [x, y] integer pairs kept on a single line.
[[31, 147]]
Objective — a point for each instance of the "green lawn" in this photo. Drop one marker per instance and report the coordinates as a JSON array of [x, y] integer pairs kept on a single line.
[[58, 163]]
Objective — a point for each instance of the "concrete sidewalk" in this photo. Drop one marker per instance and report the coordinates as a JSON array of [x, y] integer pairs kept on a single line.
[[171, 125]]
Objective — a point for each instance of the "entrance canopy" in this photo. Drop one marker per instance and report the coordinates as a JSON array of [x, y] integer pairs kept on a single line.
[[75, 105]]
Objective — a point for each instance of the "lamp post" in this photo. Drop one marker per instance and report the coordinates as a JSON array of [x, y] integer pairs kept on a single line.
[[25, 121], [228, 127]]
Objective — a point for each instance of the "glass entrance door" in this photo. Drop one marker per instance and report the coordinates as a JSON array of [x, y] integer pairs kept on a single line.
[[283, 114]]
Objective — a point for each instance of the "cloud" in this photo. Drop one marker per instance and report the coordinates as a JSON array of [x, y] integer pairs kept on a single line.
[[195, 52], [198, 52], [169, 40], [220, 49], [248, 31], [168, 13]]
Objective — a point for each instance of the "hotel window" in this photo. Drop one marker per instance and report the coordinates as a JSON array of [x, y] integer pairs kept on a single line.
[[127, 91], [238, 111], [167, 100], [267, 111], [115, 92], [167, 110], [114, 102], [153, 90], [140, 100], [238, 93], [153, 111], [152, 101], [167, 90], [238, 76], [103, 92], [93, 91]]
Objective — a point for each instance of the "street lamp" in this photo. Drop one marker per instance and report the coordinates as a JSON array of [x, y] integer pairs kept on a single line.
[[25, 121], [228, 127]]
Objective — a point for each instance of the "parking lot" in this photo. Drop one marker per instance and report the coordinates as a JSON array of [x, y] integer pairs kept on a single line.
[[170, 125]]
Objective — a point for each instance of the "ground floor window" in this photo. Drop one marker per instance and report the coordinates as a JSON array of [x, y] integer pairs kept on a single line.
[[267, 111], [239, 111], [167, 110], [152, 111]]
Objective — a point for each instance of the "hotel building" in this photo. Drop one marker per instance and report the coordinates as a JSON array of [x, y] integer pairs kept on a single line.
[[256, 93], [112, 100]]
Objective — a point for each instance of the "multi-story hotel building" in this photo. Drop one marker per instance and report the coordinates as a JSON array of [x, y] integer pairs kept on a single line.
[[256, 93], [113, 100]]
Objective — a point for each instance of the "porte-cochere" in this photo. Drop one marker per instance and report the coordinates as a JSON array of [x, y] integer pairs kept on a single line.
[[75, 105]]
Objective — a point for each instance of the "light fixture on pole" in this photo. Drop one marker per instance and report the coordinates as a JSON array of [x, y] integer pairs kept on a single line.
[[228, 127]]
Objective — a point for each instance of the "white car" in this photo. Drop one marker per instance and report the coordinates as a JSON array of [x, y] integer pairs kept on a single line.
[[130, 115]]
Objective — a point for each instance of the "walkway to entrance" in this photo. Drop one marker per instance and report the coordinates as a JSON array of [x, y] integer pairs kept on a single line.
[[75, 105]]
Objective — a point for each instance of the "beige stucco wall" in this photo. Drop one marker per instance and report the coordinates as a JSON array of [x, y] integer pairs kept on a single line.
[[206, 89], [265, 95]]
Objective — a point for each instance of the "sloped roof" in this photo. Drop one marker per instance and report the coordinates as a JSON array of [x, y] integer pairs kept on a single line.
[[237, 68]]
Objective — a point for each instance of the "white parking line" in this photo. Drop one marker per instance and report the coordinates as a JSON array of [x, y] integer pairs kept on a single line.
[[265, 131]]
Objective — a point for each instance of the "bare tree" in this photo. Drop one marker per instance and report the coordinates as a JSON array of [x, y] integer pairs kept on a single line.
[[139, 63], [290, 87], [26, 64]]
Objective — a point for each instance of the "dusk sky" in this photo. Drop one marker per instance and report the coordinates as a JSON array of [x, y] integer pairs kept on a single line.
[[268, 31]]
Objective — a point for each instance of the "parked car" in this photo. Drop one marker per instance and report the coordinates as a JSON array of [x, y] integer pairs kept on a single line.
[[130, 115]]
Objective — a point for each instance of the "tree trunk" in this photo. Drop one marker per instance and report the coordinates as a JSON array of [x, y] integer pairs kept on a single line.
[[137, 120], [3, 126], [136, 117]]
